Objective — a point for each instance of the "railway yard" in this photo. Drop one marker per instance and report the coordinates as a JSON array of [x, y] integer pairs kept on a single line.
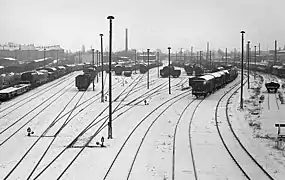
[[55, 131]]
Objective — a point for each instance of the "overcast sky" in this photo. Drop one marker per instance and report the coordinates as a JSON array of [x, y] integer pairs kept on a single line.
[[151, 23]]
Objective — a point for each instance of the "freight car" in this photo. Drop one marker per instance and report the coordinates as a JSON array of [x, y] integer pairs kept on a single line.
[[188, 69], [118, 69], [143, 68], [272, 87], [173, 72], [83, 81], [207, 84], [198, 69], [35, 78], [9, 93]]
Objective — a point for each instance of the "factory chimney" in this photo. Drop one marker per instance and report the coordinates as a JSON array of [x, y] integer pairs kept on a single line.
[[126, 49]]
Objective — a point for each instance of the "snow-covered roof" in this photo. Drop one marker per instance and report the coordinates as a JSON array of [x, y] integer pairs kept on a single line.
[[218, 74], [1, 67], [206, 77]]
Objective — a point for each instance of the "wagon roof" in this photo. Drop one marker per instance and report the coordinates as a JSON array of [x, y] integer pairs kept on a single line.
[[205, 77], [218, 74]]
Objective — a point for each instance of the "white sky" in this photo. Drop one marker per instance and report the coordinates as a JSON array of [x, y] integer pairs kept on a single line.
[[151, 23]]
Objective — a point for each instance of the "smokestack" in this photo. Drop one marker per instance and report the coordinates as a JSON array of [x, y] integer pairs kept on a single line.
[[126, 40]]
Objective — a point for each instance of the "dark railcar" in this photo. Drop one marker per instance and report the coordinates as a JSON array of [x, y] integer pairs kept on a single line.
[[118, 70], [203, 85], [82, 82]]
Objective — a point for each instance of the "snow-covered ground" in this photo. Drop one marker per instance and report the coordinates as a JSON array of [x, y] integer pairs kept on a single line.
[[172, 137]]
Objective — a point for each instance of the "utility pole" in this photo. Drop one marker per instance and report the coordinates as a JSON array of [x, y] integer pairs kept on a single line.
[[248, 42], [110, 81], [102, 64], [93, 68], [147, 68], [197, 58], [241, 90], [97, 55], [169, 70]]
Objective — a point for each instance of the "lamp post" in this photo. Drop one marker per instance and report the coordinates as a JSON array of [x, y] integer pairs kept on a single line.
[[102, 64], [147, 68], [248, 42], [93, 68], [97, 62], [169, 69], [255, 61], [57, 57], [197, 57], [135, 62], [110, 80], [226, 56], [200, 58], [241, 90], [44, 57], [158, 64], [211, 60]]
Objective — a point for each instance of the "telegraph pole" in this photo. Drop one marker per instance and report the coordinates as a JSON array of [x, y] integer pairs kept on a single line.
[[110, 81], [241, 90], [248, 42], [93, 68], [169, 69], [147, 68], [102, 64]]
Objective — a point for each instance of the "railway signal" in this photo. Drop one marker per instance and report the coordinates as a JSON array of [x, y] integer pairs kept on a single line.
[[169, 69], [110, 80], [102, 64], [241, 90]]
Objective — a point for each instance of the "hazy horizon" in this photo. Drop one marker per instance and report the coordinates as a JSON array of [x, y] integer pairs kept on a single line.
[[153, 24]]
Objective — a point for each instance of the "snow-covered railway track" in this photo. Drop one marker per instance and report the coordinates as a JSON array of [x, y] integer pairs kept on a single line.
[[49, 100], [172, 101], [87, 128], [174, 154], [248, 165]]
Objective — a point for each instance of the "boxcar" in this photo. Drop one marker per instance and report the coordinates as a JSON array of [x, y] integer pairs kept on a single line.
[[82, 82], [203, 85]]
